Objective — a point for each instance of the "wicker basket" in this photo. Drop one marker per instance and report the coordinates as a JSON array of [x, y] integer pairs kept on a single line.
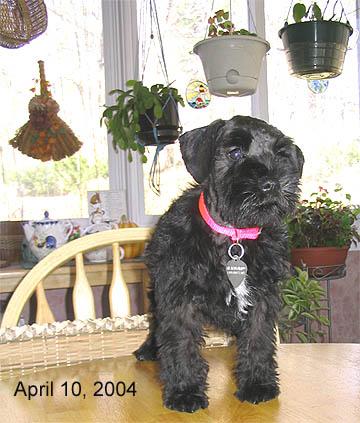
[[21, 21], [33, 348]]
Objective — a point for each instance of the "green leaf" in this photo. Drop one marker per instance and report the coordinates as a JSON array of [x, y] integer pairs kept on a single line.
[[115, 91], [149, 102], [299, 11], [158, 112], [143, 159], [130, 158], [324, 320], [308, 315], [317, 12], [131, 83], [302, 337], [219, 13], [134, 146]]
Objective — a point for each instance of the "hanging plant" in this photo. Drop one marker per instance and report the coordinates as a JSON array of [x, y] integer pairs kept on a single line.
[[143, 116], [315, 47], [45, 136], [231, 58]]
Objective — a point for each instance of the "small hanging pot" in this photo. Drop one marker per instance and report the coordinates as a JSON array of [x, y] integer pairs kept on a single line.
[[232, 63], [167, 127], [315, 49]]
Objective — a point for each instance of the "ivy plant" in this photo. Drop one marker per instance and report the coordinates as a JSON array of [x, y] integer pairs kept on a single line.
[[301, 315], [123, 118], [219, 25]]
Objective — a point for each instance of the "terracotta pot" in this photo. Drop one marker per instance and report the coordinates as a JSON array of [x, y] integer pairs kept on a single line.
[[321, 261]]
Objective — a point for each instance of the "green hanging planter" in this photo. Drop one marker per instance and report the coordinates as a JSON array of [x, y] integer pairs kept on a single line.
[[316, 49], [168, 128]]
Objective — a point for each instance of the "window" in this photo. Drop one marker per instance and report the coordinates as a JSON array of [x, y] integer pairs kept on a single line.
[[71, 48], [326, 126], [182, 25]]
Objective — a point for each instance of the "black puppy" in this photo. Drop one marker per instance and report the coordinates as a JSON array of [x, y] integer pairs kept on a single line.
[[248, 173]]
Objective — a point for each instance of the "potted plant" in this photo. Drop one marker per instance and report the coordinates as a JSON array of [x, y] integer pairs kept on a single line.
[[231, 58], [143, 116], [315, 47], [321, 232], [302, 308]]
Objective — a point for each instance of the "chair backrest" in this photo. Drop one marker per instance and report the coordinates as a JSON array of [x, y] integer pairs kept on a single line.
[[83, 300]]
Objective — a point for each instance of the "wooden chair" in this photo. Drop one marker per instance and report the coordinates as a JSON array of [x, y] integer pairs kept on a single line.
[[45, 344], [83, 300]]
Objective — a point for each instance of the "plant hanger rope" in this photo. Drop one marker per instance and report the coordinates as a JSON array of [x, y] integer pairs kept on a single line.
[[149, 9], [288, 13], [323, 13], [230, 15]]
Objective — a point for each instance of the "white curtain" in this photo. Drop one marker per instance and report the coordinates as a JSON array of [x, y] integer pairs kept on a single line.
[[120, 34]]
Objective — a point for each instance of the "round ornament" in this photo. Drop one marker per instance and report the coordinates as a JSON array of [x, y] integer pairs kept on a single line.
[[198, 95], [318, 86]]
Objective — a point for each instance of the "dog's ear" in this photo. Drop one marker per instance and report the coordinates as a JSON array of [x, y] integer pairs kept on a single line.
[[198, 148], [300, 159]]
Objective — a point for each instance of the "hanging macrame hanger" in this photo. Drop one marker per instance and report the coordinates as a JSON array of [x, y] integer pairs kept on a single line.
[[154, 176], [160, 42]]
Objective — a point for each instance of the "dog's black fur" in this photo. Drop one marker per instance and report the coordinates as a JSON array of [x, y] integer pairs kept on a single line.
[[249, 172]]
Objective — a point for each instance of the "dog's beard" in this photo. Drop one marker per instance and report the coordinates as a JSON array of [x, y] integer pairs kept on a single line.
[[243, 204]]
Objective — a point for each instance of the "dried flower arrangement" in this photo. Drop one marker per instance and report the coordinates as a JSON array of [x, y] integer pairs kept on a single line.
[[45, 136]]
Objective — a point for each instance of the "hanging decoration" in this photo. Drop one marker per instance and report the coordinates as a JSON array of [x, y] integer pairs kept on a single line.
[[231, 58], [45, 136], [21, 21], [318, 86], [198, 95], [316, 44], [167, 128]]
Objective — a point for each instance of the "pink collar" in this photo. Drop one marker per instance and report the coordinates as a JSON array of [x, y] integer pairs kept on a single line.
[[235, 234]]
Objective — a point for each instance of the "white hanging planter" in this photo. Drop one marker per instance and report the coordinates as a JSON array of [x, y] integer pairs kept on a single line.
[[232, 63]]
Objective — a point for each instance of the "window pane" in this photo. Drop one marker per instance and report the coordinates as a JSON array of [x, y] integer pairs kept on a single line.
[[326, 126], [71, 48], [182, 25]]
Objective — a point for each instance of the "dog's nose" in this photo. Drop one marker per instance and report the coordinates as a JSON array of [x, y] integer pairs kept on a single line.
[[267, 186]]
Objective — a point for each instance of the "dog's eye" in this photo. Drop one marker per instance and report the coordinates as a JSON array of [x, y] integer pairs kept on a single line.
[[236, 154]]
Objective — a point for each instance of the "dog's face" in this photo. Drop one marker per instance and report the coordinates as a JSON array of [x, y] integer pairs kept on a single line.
[[251, 169]]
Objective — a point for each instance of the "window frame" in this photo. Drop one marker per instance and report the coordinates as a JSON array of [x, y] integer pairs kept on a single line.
[[121, 30]]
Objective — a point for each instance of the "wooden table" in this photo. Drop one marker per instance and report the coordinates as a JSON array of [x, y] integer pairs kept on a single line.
[[319, 383]]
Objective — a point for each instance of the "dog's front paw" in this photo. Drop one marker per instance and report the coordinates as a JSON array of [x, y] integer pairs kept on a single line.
[[186, 401], [257, 392]]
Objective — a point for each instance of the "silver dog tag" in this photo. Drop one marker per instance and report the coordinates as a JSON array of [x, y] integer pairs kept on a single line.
[[236, 271]]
